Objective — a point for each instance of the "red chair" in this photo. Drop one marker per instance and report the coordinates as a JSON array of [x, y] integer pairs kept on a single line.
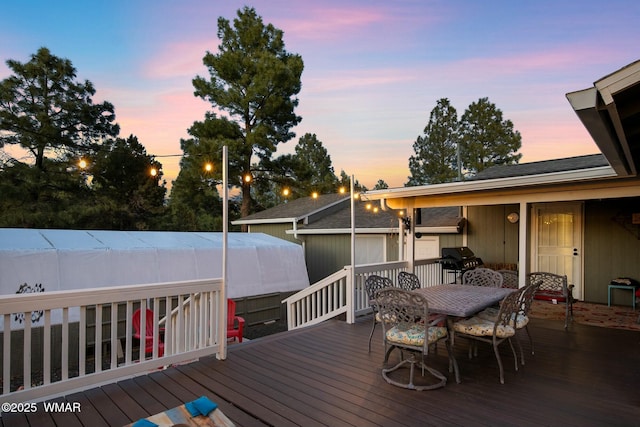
[[234, 331], [148, 344]]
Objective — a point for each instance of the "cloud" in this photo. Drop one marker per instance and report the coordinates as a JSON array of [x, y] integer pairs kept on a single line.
[[178, 60], [330, 23]]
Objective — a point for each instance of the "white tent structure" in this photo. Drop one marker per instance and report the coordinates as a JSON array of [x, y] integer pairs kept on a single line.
[[41, 260]]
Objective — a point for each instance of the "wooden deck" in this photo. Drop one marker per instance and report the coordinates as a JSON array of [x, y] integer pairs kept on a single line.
[[323, 376]]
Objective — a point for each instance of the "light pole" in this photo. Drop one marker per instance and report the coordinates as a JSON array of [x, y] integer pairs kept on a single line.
[[222, 321], [350, 294]]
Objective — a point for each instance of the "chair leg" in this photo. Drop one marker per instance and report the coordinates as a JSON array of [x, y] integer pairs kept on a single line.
[[453, 363], [499, 359], [373, 328], [520, 349], [515, 356], [497, 352], [568, 315], [526, 328]]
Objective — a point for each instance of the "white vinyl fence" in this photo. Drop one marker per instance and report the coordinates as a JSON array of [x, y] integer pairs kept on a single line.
[[90, 341], [336, 294]]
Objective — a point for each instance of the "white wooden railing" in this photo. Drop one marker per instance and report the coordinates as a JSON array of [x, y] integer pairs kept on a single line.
[[336, 294], [58, 356]]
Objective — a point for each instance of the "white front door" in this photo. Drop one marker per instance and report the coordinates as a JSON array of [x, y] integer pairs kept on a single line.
[[557, 241]]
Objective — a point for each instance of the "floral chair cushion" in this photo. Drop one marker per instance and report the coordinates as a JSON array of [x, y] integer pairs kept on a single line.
[[491, 314], [388, 317], [482, 328], [414, 334]]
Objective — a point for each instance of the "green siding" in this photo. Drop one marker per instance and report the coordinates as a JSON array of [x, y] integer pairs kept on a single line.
[[449, 240], [610, 249], [326, 254], [490, 236], [392, 247]]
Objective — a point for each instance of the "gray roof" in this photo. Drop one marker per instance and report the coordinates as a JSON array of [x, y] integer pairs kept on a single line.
[[332, 211], [441, 217], [366, 218], [298, 208], [542, 167]]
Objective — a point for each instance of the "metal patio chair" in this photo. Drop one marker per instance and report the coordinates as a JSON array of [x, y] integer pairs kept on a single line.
[[509, 279], [372, 285], [408, 281], [405, 327], [493, 332], [521, 320], [482, 277], [554, 287]]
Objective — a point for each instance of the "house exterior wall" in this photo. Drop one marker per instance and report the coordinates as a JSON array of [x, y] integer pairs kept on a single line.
[[611, 247], [326, 254], [491, 236], [448, 240], [392, 247]]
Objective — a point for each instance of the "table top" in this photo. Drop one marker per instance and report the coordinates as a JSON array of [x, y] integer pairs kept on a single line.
[[462, 300]]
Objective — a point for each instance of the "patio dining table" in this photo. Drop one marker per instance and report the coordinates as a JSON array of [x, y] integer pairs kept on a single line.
[[461, 300]]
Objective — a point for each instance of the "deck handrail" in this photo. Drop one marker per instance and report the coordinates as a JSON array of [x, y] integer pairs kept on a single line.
[[192, 334], [327, 298]]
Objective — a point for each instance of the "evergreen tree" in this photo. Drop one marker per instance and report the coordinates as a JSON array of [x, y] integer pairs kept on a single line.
[[486, 139], [53, 120], [47, 113], [195, 203], [435, 152], [255, 81]]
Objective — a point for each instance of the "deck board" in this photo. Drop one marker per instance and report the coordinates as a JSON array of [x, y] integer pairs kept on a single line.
[[142, 396], [232, 412], [324, 376]]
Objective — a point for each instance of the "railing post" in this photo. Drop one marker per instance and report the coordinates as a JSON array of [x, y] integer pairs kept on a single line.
[[351, 289]]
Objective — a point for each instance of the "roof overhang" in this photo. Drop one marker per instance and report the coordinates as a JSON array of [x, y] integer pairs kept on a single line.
[[391, 230], [610, 111], [489, 191], [325, 231], [266, 221]]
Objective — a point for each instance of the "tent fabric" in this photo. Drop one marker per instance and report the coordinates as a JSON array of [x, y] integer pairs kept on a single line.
[[31, 259]]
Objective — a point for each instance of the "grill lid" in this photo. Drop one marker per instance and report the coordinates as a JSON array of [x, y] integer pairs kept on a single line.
[[458, 254]]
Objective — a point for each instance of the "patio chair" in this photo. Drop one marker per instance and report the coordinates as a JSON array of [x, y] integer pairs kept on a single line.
[[521, 318], [554, 287], [149, 330], [482, 277], [372, 285], [493, 332], [404, 327], [235, 324], [509, 279], [408, 281]]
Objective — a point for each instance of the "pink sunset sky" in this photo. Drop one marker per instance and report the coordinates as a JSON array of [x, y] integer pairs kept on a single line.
[[373, 72]]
